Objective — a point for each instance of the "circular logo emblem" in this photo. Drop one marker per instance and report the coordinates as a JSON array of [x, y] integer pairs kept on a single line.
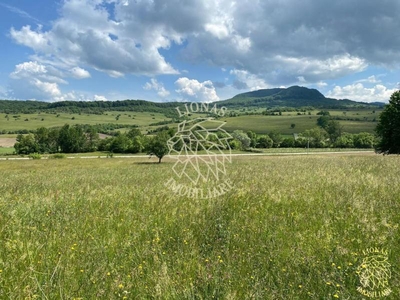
[[202, 151], [374, 273]]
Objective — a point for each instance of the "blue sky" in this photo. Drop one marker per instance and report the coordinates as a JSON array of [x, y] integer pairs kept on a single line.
[[197, 50]]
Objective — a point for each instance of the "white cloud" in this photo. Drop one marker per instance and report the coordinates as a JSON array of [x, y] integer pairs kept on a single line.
[[195, 90], [85, 34], [246, 80], [333, 67], [358, 92], [157, 86], [79, 73], [33, 80], [28, 69], [36, 40], [48, 88], [370, 79], [321, 84], [274, 42], [99, 98], [301, 79]]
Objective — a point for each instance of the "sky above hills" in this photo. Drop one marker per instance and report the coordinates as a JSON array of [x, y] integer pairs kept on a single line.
[[197, 50]]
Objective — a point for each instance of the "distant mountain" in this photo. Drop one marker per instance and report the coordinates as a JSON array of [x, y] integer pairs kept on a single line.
[[294, 96]]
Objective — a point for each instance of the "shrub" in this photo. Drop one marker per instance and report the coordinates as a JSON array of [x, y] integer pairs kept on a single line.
[[35, 156]]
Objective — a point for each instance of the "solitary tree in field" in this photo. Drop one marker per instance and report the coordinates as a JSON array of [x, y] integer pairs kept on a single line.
[[388, 128], [158, 146]]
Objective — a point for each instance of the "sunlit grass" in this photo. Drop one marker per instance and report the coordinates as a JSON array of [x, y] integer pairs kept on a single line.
[[292, 228]]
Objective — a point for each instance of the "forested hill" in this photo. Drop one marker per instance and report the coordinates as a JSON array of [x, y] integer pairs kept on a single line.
[[295, 97], [92, 107]]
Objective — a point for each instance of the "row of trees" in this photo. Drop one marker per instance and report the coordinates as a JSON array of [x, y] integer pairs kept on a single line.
[[81, 139], [313, 138], [67, 139]]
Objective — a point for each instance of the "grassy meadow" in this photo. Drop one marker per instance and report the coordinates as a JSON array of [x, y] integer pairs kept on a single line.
[[258, 123], [265, 124], [291, 228], [34, 121]]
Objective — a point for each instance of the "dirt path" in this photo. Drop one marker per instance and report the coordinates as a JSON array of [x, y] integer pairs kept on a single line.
[[238, 154]]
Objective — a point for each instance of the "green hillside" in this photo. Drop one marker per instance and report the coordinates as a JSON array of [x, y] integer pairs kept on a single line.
[[294, 97]]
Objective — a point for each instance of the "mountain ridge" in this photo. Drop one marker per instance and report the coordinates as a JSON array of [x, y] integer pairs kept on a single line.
[[294, 97]]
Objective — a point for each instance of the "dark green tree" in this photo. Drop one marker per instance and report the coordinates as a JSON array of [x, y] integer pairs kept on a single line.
[[120, 144], [276, 138], [346, 140], [134, 132], [26, 144], [264, 142], [364, 140], [388, 128], [323, 121], [71, 139], [92, 139], [42, 139], [253, 138], [334, 130], [289, 142], [243, 138], [158, 145], [315, 137]]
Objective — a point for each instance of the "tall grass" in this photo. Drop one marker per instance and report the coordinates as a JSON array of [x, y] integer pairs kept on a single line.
[[292, 228]]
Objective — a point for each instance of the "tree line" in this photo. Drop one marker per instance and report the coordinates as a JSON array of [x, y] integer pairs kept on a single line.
[[85, 138]]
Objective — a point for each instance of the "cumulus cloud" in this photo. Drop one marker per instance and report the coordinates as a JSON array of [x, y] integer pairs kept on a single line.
[[48, 88], [79, 73], [27, 69], [33, 70], [99, 98], [35, 39], [34, 80], [85, 34], [246, 80], [274, 42], [288, 39], [157, 86], [195, 90], [359, 92]]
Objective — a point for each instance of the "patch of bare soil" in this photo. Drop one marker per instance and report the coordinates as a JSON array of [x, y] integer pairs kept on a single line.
[[7, 142]]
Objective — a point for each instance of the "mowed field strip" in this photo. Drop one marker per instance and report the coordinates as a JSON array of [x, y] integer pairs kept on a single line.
[[292, 227]]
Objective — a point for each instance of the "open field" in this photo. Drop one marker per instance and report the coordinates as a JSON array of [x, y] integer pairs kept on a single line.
[[291, 228], [264, 124], [34, 121], [257, 123]]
